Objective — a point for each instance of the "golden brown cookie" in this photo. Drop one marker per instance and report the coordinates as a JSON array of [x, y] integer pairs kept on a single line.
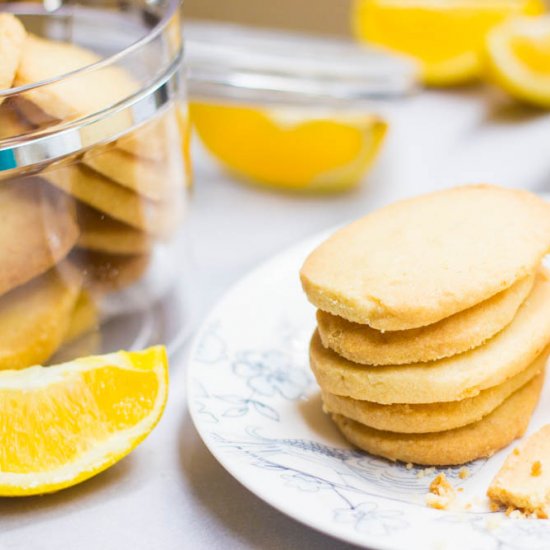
[[102, 233], [70, 98], [38, 230], [431, 417], [450, 379], [160, 219], [157, 181], [523, 482], [421, 260], [456, 334], [34, 317], [481, 439], [12, 38]]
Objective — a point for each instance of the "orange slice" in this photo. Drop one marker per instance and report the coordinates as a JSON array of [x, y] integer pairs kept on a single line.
[[63, 424], [446, 37], [519, 59], [290, 149]]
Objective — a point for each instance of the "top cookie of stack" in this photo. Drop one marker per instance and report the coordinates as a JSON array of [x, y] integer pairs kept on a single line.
[[433, 320]]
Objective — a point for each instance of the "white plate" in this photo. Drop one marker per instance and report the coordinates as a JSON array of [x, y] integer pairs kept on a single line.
[[257, 408]]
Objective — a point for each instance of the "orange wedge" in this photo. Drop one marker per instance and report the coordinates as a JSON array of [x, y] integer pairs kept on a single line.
[[63, 424], [519, 59], [446, 37]]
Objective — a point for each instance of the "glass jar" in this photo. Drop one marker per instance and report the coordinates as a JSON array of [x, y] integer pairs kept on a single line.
[[94, 179], [291, 111]]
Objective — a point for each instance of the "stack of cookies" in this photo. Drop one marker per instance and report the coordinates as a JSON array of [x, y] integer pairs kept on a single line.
[[137, 179], [434, 323], [128, 190]]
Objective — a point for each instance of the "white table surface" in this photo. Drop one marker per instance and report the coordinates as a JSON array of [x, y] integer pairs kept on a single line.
[[171, 493]]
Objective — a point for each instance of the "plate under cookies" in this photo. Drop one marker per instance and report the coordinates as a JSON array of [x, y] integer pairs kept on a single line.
[[256, 406]]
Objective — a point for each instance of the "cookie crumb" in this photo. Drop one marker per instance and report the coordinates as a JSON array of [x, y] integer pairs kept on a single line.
[[409, 466], [441, 494], [516, 451], [464, 473], [536, 468]]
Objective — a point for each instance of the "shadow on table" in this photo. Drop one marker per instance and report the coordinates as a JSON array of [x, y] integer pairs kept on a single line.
[[16, 512], [249, 519], [508, 112]]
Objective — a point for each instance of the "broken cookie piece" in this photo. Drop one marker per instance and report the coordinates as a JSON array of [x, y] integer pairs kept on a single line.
[[523, 482]]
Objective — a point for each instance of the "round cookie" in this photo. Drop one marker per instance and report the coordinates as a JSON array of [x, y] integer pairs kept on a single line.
[[153, 180], [452, 447], [431, 417], [12, 38], [38, 230], [421, 260], [102, 233], [450, 379], [160, 219], [456, 334], [34, 317], [83, 94]]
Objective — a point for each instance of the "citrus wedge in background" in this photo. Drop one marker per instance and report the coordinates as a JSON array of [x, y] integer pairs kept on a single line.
[[447, 37], [63, 424], [519, 59], [291, 149]]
